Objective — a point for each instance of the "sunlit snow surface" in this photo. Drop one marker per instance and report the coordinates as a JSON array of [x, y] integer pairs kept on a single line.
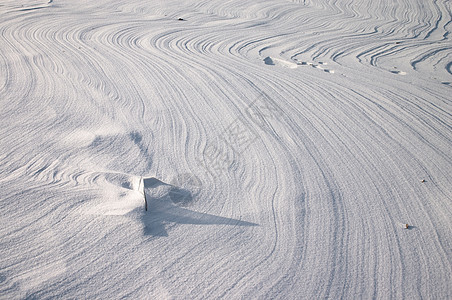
[[280, 145]]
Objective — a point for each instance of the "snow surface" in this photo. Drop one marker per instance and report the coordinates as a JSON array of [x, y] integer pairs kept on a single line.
[[280, 145]]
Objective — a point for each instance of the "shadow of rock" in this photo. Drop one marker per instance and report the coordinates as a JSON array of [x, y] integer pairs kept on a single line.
[[165, 209], [269, 61]]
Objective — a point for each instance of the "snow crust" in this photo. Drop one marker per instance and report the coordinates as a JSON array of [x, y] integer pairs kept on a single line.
[[284, 149]]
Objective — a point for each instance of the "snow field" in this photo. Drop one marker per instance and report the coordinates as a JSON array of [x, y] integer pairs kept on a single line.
[[281, 146]]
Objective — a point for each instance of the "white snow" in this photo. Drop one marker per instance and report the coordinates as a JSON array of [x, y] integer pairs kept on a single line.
[[282, 147]]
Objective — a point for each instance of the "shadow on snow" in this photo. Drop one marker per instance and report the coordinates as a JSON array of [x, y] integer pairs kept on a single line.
[[164, 209]]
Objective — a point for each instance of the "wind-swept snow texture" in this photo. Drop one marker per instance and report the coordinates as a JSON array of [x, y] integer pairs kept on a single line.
[[281, 147]]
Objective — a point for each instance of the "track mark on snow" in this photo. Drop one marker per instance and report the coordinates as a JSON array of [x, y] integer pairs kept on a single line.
[[397, 72], [319, 65]]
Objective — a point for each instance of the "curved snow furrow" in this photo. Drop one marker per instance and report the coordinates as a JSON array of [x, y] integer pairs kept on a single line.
[[331, 198], [16, 75], [419, 136], [39, 64], [9, 6], [284, 212], [408, 166], [433, 57], [331, 46], [374, 178], [296, 131], [292, 115]]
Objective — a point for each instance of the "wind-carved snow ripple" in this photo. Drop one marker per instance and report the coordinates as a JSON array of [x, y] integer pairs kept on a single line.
[[97, 96]]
